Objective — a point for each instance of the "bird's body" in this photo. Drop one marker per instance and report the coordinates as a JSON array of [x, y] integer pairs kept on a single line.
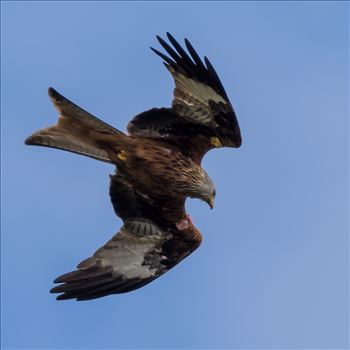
[[158, 166]]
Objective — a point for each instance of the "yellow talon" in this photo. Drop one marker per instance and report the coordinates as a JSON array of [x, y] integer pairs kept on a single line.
[[122, 156], [215, 141]]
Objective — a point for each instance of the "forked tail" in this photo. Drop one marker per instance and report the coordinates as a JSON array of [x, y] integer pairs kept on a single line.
[[76, 131]]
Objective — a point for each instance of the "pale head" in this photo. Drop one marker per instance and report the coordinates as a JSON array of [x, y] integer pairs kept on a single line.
[[203, 188]]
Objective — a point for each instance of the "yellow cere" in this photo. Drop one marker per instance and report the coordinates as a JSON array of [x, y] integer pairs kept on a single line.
[[215, 141], [122, 156]]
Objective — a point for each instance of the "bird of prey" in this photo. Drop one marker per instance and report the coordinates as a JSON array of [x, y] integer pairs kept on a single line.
[[158, 166]]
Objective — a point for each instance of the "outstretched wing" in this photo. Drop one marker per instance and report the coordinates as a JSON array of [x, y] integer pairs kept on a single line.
[[201, 116], [146, 246]]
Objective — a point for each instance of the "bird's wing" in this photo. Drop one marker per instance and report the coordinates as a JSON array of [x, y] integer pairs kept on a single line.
[[201, 116], [146, 246], [74, 131]]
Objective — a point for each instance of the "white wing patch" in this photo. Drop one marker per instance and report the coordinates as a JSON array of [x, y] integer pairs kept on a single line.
[[195, 96], [125, 253]]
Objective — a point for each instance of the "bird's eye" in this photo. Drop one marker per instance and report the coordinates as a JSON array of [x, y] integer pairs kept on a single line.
[[214, 193]]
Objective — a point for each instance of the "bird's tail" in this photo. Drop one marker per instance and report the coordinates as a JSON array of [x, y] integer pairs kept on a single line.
[[76, 131]]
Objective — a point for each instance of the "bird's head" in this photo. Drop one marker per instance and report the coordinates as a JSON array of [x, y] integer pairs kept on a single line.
[[206, 191]]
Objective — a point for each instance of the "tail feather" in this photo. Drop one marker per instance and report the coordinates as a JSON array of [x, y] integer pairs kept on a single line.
[[51, 137], [77, 130]]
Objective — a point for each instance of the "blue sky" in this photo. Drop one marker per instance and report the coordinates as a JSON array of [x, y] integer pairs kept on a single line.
[[272, 271]]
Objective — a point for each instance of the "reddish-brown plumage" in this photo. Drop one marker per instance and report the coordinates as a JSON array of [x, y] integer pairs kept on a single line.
[[158, 165]]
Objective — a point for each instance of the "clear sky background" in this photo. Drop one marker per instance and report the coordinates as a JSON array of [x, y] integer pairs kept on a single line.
[[272, 269]]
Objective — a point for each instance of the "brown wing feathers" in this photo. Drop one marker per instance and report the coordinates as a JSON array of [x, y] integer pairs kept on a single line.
[[145, 247], [121, 265], [201, 117]]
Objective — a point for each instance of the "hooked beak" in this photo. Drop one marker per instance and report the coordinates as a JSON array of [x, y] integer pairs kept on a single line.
[[211, 202]]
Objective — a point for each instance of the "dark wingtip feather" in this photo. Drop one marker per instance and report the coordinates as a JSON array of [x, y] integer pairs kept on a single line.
[[211, 68], [159, 38], [194, 55], [57, 289], [164, 57], [170, 37], [67, 276], [188, 62], [64, 296], [215, 77], [174, 55]]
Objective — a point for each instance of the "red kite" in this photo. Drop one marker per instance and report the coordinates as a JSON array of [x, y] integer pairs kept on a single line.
[[158, 166]]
